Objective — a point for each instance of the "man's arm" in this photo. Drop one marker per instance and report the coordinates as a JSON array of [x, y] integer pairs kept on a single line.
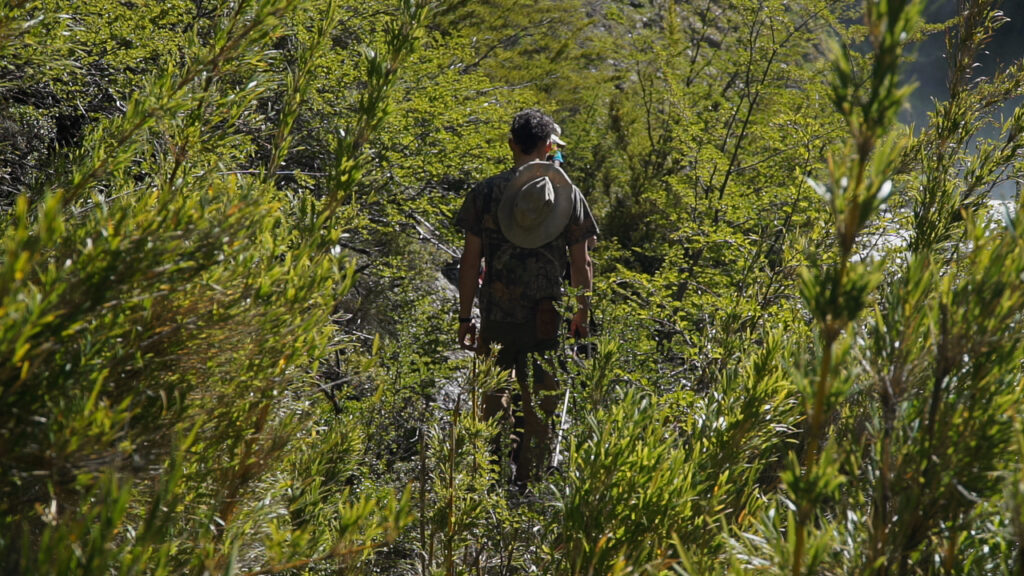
[[469, 274], [581, 272]]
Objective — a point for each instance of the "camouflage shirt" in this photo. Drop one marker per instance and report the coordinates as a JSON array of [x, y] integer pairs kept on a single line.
[[516, 278]]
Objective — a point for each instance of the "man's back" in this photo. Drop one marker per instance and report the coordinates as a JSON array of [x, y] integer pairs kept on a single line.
[[517, 277]]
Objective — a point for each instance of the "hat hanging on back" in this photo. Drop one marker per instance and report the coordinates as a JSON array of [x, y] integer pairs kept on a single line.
[[536, 204]]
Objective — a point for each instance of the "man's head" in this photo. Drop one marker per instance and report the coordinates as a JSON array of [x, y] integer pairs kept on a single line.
[[531, 131]]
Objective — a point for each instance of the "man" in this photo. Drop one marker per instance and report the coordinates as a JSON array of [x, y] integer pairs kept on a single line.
[[524, 223]]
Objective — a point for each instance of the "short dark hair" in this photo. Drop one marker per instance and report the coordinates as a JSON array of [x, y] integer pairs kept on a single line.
[[531, 128]]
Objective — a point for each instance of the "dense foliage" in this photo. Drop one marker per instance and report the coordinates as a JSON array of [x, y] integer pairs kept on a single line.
[[227, 317]]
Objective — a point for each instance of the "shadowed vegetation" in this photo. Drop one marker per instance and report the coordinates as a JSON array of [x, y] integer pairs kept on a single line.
[[227, 315]]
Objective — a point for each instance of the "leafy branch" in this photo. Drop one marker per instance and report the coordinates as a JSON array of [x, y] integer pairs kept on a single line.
[[838, 293]]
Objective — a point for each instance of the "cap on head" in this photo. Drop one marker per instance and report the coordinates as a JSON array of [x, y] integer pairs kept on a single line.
[[556, 136]]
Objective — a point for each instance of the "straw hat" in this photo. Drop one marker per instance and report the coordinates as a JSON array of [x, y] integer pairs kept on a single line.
[[536, 205]]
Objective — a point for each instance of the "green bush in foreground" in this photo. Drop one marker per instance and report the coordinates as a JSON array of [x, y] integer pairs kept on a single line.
[[163, 313]]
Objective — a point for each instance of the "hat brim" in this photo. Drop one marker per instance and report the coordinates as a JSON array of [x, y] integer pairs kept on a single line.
[[553, 225]]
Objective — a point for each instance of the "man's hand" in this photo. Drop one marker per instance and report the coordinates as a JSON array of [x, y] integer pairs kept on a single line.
[[467, 335], [579, 327], [469, 283], [581, 269]]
